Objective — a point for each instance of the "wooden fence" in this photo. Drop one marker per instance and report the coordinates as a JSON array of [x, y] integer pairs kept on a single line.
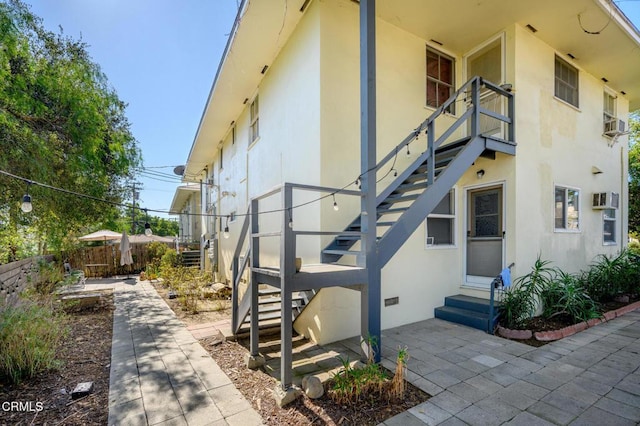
[[104, 261], [15, 276]]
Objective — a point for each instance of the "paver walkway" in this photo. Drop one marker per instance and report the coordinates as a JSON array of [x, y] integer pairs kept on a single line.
[[160, 375], [590, 378]]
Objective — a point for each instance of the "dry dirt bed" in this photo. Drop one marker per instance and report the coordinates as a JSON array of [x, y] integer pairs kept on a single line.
[[257, 388], [209, 310], [86, 354]]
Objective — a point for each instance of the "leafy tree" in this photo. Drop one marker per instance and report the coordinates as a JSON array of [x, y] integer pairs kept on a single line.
[[62, 124], [634, 172]]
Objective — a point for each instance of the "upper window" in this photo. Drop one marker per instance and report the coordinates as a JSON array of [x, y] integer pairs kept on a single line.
[[567, 209], [254, 128], [566, 86], [609, 226], [440, 223], [440, 78], [609, 107]]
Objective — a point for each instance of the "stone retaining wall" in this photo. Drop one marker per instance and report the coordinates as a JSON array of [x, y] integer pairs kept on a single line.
[[15, 276]]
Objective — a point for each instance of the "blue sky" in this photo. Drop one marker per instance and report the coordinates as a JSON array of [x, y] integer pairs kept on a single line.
[[161, 57]]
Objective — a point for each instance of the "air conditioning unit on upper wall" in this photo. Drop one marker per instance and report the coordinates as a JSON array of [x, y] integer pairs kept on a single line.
[[614, 127], [605, 200]]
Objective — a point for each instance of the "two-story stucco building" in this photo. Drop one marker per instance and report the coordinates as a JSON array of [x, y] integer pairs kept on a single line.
[[285, 106]]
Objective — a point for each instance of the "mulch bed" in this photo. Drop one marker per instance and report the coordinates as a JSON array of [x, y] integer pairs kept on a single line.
[[257, 387], [540, 324], [86, 356]]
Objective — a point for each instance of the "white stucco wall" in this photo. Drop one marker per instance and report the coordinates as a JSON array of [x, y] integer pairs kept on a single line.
[[557, 145], [310, 134], [287, 149]]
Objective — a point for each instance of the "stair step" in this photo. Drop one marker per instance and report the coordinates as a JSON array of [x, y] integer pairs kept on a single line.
[[262, 309], [469, 303], [408, 187], [341, 252], [392, 211], [466, 317], [270, 300], [385, 223], [263, 317], [400, 199]]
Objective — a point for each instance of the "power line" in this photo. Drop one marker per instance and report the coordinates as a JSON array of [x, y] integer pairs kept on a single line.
[[374, 168]]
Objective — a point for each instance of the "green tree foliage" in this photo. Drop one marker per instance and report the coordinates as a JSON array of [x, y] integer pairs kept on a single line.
[[634, 172], [163, 227], [62, 124]]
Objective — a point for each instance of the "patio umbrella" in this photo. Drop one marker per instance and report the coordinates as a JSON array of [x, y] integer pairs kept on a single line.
[[125, 251], [102, 235]]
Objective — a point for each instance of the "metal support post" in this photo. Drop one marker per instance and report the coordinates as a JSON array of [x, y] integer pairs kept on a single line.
[[287, 269], [253, 283], [370, 295]]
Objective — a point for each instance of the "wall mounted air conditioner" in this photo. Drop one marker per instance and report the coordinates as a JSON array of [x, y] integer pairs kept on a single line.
[[605, 200], [614, 127]]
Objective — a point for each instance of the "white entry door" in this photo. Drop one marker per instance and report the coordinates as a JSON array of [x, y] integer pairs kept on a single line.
[[485, 235]]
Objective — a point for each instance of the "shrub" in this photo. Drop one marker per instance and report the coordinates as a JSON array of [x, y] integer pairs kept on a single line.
[[156, 250], [170, 259], [353, 384], [29, 337], [515, 308], [49, 276], [610, 276], [566, 296], [520, 302]]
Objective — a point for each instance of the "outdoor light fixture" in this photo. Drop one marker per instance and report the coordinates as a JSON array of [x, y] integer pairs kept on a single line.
[[408, 152], [147, 227], [335, 204], [480, 173], [225, 233], [290, 220], [26, 205]]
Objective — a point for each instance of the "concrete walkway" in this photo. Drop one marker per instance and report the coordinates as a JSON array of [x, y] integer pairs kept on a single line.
[[590, 378], [160, 375]]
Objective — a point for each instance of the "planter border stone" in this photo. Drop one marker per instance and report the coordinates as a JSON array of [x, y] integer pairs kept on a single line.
[[550, 336]]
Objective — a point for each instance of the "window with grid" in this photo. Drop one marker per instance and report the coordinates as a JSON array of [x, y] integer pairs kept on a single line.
[[609, 107], [254, 128], [567, 209], [609, 226], [440, 79], [441, 222], [566, 82]]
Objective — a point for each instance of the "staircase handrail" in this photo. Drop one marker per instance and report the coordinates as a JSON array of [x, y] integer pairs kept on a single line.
[[238, 270], [423, 126], [496, 284]]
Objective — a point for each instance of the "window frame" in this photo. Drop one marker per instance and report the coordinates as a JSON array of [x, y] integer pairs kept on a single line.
[[558, 80], [451, 217], [254, 120], [438, 81], [605, 220], [565, 228], [606, 114]]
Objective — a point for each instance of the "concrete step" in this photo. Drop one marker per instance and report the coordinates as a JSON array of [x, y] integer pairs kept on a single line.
[[466, 317], [469, 303]]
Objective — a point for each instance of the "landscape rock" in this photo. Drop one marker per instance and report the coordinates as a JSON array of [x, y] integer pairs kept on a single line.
[[82, 389], [312, 386]]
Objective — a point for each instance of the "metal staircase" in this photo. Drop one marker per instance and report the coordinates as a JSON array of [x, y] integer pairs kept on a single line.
[[401, 207]]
